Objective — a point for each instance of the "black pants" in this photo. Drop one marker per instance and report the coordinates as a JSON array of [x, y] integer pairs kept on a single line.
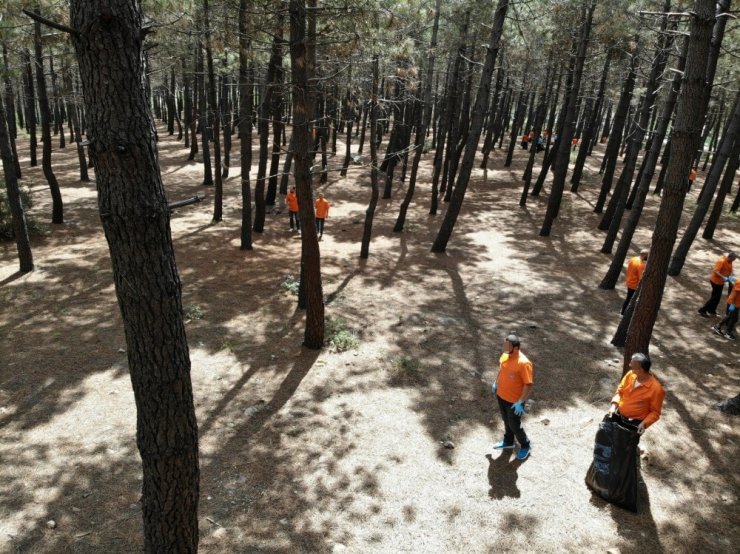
[[512, 424], [630, 292], [711, 304], [320, 226], [729, 321], [294, 217]]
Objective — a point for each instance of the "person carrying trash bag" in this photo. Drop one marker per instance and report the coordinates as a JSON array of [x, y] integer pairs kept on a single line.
[[636, 405]]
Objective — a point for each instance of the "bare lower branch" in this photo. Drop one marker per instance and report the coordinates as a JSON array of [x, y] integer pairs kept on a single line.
[[52, 24]]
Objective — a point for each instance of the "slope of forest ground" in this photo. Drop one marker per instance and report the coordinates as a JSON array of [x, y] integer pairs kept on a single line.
[[321, 451]]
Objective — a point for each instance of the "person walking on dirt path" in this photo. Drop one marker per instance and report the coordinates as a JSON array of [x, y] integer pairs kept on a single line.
[[639, 398], [635, 269], [291, 201], [721, 274], [732, 311], [322, 212], [512, 388]]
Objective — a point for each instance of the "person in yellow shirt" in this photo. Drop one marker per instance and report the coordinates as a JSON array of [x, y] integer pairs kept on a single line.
[[512, 388], [322, 212], [721, 274], [635, 269], [638, 401]]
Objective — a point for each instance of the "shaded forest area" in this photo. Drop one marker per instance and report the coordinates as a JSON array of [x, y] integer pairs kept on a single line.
[[273, 372]]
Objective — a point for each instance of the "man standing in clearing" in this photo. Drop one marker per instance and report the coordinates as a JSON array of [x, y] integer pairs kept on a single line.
[[639, 398], [635, 269], [512, 388], [322, 212], [720, 275], [291, 201]]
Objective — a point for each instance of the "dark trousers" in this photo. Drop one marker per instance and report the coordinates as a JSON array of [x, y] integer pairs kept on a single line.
[[630, 292], [294, 217], [320, 226], [512, 424], [729, 322], [711, 304]]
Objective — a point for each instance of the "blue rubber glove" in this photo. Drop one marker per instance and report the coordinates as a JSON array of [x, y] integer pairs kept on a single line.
[[494, 388], [519, 408], [731, 280], [731, 308]]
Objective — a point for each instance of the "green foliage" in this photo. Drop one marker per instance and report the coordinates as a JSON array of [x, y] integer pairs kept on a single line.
[[406, 364], [6, 220], [339, 337], [290, 284], [191, 311]]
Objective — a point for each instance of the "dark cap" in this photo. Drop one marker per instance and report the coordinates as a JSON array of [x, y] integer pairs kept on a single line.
[[513, 339]]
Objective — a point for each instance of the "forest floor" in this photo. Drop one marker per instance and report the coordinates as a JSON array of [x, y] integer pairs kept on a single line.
[[319, 451]]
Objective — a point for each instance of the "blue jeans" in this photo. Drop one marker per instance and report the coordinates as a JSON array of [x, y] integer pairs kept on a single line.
[[512, 424]]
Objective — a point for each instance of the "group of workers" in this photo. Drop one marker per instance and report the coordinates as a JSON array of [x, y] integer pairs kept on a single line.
[[321, 207], [721, 275]]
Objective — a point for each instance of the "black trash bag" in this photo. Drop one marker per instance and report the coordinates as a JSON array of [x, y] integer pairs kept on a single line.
[[613, 472]]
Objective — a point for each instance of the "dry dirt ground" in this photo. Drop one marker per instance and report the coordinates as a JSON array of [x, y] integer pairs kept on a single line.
[[306, 451]]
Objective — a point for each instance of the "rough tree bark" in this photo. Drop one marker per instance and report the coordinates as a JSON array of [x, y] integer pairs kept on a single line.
[[310, 255], [476, 126], [686, 131], [245, 125], [136, 222]]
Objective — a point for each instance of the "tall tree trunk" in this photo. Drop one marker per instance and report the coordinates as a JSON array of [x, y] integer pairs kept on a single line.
[[374, 188], [245, 124], [10, 112], [204, 118], [562, 159], [276, 111], [30, 105], [84, 177], [215, 116], [476, 126], [310, 255], [615, 133], [724, 189], [57, 211], [18, 216], [643, 182], [686, 131], [727, 146], [425, 119], [136, 222]]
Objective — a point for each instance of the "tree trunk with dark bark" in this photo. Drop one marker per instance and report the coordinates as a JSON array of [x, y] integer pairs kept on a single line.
[[686, 131], [57, 210], [310, 256], [136, 222], [476, 126], [245, 124], [18, 215], [30, 105]]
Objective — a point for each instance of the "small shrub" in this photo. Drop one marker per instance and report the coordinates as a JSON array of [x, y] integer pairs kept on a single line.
[[290, 284], [6, 219], [339, 337], [407, 364], [191, 311]]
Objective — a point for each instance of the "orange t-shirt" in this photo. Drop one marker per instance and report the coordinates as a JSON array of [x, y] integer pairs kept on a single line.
[[292, 201], [514, 372], [723, 266], [692, 174], [574, 141], [525, 137], [635, 269], [644, 402], [322, 208], [734, 297]]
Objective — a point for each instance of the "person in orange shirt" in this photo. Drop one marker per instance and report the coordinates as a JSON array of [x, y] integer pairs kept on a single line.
[[525, 141], [692, 176], [291, 201], [639, 398], [574, 143], [635, 269], [720, 275], [733, 308], [512, 388], [322, 212]]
